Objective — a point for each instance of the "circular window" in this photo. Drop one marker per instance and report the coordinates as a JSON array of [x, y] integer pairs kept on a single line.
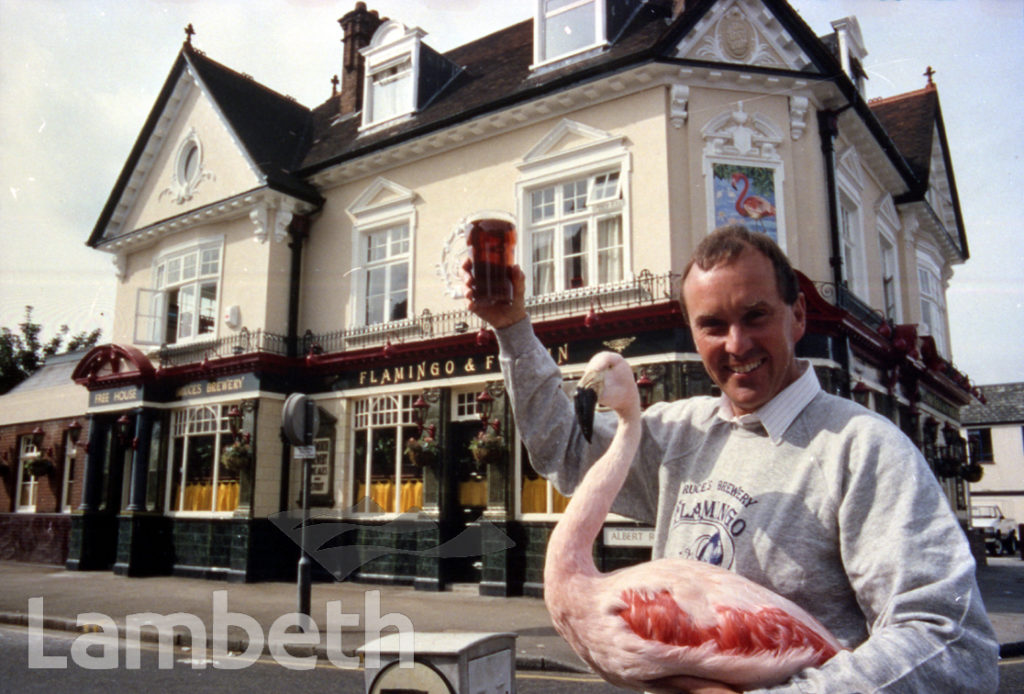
[[188, 162]]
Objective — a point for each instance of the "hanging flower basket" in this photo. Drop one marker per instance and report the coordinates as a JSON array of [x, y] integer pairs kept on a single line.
[[38, 467], [972, 472], [422, 451], [237, 456], [488, 447]]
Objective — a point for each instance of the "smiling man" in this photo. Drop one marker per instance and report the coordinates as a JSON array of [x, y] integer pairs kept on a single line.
[[806, 493], [746, 315]]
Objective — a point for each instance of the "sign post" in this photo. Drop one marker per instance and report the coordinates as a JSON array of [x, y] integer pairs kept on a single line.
[[299, 421]]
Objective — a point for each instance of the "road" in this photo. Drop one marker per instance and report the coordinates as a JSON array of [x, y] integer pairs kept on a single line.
[[188, 675], [264, 675]]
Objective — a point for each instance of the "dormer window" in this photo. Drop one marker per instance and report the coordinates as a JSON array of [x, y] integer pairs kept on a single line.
[[566, 27], [402, 73], [391, 90]]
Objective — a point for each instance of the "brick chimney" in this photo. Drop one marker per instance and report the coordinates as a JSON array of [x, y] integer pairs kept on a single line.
[[358, 27]]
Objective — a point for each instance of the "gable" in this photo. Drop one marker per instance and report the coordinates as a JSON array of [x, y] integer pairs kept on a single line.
[[213, 134], [193, 162], [743, 32]]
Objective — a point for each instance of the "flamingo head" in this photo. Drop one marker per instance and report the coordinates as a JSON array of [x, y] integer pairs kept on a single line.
[[608, 380], [736, 178]]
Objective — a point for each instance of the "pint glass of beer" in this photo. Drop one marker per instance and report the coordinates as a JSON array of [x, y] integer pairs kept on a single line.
[[491, 237]]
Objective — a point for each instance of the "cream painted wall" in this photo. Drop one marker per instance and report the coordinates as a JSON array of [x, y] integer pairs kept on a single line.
[[477, 176], [803, 199], [222, 159], [1006, 473], [258, 274], [267, 481]]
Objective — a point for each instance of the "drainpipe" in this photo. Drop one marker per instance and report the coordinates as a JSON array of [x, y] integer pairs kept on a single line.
[[828, 130], [298, 230]]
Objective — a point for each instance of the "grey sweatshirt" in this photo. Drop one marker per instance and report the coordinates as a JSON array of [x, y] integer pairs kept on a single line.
[[837, 512]]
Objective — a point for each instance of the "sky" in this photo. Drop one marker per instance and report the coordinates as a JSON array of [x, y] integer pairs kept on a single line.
[[79, 77]]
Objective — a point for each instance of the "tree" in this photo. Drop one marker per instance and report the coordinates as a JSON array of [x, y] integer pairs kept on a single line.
[[22, 353]]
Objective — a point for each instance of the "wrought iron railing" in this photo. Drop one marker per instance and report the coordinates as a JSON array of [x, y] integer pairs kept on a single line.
[[243, 342], [646, 288], [841, 296]]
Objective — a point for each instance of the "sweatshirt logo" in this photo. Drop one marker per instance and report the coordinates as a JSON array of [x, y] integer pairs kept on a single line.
[[707, 519]]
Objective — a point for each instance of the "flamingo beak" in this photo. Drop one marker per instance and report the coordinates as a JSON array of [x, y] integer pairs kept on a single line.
[[587, 393]]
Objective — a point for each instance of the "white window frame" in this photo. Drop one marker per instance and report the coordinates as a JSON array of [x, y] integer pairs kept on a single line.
[[464, 406], [583, 215], [26, 451], [393, 46], [544, 17], [380, 412], [67, 478], [851, 244], [153, 303], [547, 166], [400, 235], [382, 205], [178, 429], [850, 216], [887, 221], [932, 293]]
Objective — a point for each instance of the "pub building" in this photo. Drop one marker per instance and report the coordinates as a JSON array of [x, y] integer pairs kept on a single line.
[[263, 249]]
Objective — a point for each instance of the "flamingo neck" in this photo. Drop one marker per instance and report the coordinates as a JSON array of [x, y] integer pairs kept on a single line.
[[743, 194], [569, 549]]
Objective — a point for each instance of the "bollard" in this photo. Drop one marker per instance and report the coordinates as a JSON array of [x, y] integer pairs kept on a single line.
[[442, 663]]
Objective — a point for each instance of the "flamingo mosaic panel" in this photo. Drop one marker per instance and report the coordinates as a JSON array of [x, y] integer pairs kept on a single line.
[[745, 195]]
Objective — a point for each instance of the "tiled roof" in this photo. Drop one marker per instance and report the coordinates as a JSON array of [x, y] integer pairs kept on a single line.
[[910, 121], [1004, 405], [55, 372], [496, 72], [274, 129]]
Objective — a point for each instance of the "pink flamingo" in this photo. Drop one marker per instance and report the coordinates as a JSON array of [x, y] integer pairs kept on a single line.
[[755, 207], [641, 626]]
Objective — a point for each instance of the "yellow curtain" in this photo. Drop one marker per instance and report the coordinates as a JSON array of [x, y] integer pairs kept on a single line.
[[412, 495], [473, 493], [535, 495]]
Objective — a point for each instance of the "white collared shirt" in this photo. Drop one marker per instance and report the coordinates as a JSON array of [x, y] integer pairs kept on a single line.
[[778, 413]]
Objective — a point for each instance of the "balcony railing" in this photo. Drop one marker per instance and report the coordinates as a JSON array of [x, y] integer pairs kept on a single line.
[[244, 342], [645, 289], [841, 297]]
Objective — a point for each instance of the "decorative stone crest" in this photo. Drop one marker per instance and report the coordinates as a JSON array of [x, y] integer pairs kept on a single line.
[[740, 134], [736, 36], [735, 40]]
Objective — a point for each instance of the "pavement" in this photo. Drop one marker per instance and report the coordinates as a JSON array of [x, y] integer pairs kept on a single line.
[[69, 594]]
